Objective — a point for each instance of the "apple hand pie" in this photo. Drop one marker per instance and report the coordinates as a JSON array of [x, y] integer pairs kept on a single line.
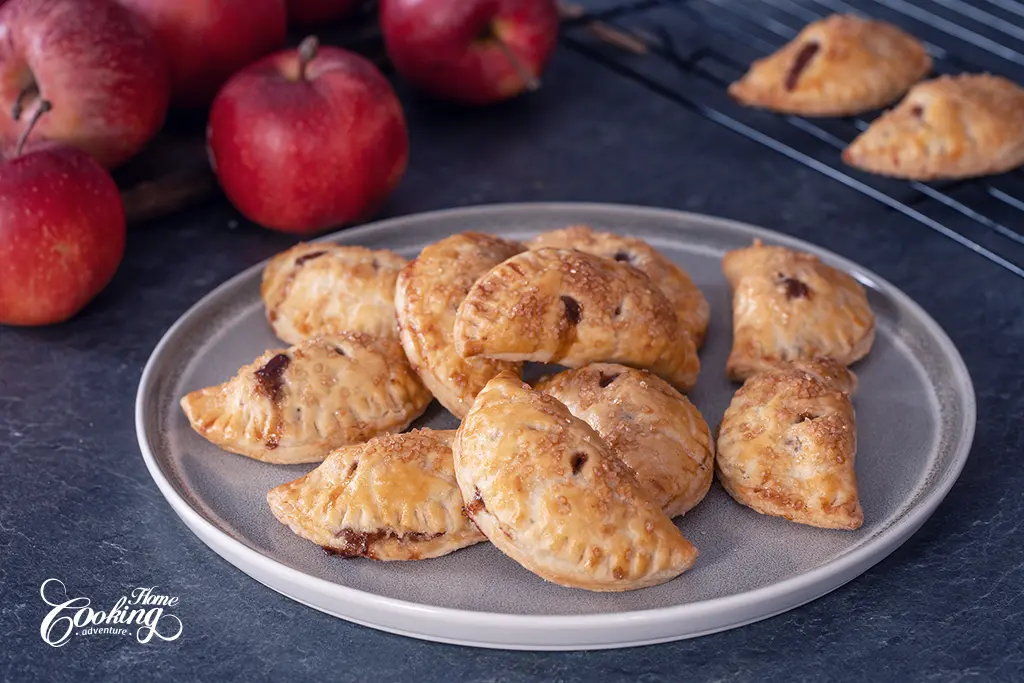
[[788, 305], [692, 310], [323, 289], [427, 298], [391, 498], [296, 405], [548, 492], [570, 307], [951, 127], [836, 66], [787, 445], [650, 426]]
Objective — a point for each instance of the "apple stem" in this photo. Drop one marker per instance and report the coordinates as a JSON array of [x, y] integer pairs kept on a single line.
[[531, 81], [43, 107], [19, 102], [307, 53]]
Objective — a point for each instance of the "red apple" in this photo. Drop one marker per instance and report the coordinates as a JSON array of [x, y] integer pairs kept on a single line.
[[470, 51], [95, 62], [207, 41], [307, 139], [310, 12], [62, 232]]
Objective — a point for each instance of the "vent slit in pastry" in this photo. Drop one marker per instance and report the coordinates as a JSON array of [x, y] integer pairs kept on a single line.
[[787, 445], [558, 501], [803, 58], [268, 377], [309, 256], [650, 426], [557, 305], [572, 310], [297, 405], [391, 498], [577, 462], [788, 305], [794, 288]]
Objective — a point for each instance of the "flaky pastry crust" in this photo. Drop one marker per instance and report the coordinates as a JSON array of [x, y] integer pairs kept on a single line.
[[787, 444], [692, 309], [650, 426], [951, 127], [323, 289], [298, 404], [788, 305], [548, 492], [427, 297], [836, 66], [391, 498], [570, 307]]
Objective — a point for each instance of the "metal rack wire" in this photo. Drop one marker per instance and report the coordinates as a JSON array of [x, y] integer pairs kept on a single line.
[[711, 43]]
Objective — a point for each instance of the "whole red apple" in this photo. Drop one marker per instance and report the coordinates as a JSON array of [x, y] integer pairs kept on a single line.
[[62, 232], [310, 12], [470, 51], [97, 64], [207, 41], [307, 139]]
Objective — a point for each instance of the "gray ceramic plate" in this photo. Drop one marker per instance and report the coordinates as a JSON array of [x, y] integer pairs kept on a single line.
[[915, 414]]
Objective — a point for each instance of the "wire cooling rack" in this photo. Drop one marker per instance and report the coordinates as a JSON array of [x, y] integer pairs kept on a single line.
[[688, 51]]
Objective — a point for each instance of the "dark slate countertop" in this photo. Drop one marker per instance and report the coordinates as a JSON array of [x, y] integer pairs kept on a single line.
[[77, 503]]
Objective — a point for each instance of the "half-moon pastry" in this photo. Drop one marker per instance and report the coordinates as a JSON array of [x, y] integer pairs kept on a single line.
[[427, 298], [391, 498], [323, 289], [692, 310], [548, 492], [836, 66], [951, 127], [787, 444], [298, 404], [788, 305], [570, 307], [650, 426]]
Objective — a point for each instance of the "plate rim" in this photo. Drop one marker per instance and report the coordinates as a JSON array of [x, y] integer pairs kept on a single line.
[[857, 560]]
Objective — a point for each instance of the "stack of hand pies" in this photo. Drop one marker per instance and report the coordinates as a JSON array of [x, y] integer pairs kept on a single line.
[[577, 477]]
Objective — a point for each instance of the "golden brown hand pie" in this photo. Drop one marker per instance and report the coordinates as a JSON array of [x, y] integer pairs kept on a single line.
[[298, 404], [788, 305], [650, 426], [548, 492], [569, 307], [692, 310], [323, 289], [787, 444], [427, 297], [391, 498], [836, 66], [951, 127]]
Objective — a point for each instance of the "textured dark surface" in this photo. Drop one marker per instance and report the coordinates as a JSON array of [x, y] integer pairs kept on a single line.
[[76, 501]]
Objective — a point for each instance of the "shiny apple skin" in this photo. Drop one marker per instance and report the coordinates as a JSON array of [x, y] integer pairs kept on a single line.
[[62, 234], [208, 41], [440, 46], [95, 62], [303, 155]]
